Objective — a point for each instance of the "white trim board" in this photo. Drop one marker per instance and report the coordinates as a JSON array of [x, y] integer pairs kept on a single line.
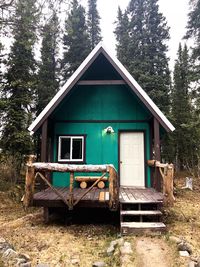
[[100, 48]]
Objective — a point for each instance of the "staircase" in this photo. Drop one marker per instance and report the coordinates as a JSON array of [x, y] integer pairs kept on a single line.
[[141, 213]]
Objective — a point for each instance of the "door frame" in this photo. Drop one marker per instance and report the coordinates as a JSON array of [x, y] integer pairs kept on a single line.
[[145, 154]]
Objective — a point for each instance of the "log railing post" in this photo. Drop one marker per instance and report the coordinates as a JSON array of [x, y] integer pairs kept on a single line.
[[29, 182], [157, 180], [71, 187], [168, 191], [113, 189]]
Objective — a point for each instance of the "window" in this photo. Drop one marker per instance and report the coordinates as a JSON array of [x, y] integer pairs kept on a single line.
[[71, 148]]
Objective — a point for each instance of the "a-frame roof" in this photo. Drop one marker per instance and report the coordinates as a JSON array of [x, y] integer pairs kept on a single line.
[[156, 112]]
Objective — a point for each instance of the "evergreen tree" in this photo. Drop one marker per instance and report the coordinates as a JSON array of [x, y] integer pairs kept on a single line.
[[123, 38], [76, 40], [145, 56], [19, 88], [94, 30], [194, 28], [194, 33], [48, 68], [181, 108]]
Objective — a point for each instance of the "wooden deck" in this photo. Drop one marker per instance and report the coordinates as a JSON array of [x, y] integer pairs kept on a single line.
[[139, 195], [95, 198]]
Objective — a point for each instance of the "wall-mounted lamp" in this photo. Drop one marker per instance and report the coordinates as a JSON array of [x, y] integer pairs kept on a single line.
[[109, 130]]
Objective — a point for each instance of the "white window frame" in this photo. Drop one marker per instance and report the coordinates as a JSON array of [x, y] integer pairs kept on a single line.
[[71, 148]]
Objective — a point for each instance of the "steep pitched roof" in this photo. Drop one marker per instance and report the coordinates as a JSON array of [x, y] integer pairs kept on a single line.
[[81, 70]]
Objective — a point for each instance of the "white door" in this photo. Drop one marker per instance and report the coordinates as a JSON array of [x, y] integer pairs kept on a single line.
[[132, 171]]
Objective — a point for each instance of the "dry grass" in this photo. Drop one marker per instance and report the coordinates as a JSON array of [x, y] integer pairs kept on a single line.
[[183, 220], [57, 244]]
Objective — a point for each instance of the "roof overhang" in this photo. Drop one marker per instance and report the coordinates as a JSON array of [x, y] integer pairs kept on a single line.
[[142, 95]]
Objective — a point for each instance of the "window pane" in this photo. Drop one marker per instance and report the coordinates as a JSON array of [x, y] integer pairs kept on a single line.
[[77, 149], [65, 148]]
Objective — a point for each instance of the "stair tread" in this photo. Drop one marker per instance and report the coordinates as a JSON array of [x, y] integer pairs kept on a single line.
[[143, 225], [158, 201], [141, 212]]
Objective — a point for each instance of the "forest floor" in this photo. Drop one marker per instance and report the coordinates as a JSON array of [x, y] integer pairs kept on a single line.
[[57, 244]]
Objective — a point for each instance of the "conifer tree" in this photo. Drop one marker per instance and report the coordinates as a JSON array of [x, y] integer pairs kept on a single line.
[[48, 81], [93, 22], [194, 33], [123, 38], [20, 81], [76, 40], [181, 108], [146, 58]]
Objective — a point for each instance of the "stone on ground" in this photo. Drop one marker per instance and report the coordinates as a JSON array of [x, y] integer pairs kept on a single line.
[[183, 246], [99, 264], [126, 249], [184, 253]]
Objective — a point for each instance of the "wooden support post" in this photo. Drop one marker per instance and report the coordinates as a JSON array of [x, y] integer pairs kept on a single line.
[[43, 149], [168, 191], [157, 180], [44, 142], [113, 189], [29, 183], [71, 187], [46, 214]]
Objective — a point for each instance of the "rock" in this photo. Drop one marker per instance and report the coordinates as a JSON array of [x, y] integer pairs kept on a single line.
[[26, 264], [19, 261], [9, 253], [114, 243], [110, 250], [98, 264], [75, 261], [175, 239], [191, 264], [185, 246], [2, 240], [120, 241], [198, 263], [184, 253], [126, 248], [5, 246], [24, 256]]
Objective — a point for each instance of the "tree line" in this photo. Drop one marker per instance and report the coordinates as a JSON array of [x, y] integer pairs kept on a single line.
[[141, 30]]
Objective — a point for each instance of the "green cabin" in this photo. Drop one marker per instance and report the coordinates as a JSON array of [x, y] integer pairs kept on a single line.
[[102, 116], [101, 121]]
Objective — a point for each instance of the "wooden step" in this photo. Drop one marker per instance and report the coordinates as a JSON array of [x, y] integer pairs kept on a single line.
[[138, 227], [139, 201], [141, 212]]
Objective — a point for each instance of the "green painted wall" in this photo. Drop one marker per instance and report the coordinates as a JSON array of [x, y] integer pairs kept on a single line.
[[99, 103], [106, 102]]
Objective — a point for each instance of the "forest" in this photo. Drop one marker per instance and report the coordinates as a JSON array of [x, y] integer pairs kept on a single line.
[[45, 49]]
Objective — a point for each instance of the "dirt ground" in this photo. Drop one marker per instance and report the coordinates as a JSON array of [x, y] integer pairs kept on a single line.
[[151, 253], [57, 244]]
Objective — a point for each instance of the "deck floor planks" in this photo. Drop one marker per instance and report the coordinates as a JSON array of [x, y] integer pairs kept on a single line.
[[42, 194], [126, 195], [123, 195], [130, 194], [96, 194], [139, 195]]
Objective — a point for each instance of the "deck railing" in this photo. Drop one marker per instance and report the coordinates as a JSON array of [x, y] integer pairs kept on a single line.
[[35, 169], [167, 173]]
